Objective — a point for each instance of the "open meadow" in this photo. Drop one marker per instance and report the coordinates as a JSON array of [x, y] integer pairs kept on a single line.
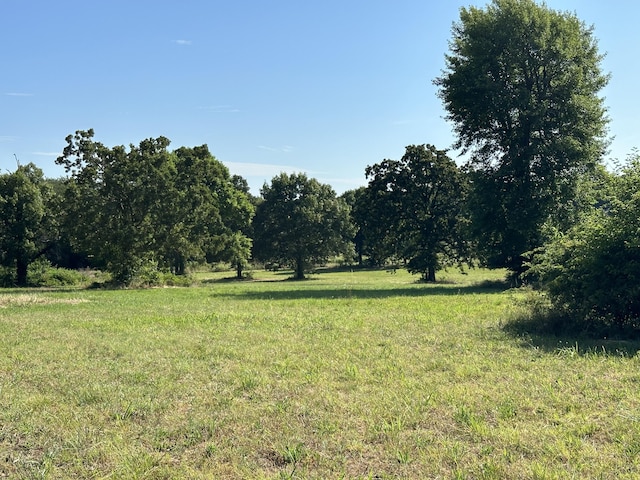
[[351, 374]]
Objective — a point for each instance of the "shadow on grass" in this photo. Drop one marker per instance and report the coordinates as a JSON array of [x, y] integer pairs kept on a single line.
[[553, 333], [424, 290]]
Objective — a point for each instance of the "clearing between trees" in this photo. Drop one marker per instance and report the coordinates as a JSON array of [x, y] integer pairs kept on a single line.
[[352, 374]]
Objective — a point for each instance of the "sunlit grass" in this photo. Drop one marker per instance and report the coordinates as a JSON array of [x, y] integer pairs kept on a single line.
[[352, 374]]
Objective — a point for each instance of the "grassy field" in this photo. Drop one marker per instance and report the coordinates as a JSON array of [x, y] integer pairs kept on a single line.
[[362, 374]]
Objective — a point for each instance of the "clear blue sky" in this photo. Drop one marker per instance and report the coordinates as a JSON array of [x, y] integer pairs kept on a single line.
[[323, 87]]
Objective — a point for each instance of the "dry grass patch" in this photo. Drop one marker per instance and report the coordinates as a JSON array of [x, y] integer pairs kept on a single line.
[[26, 299]]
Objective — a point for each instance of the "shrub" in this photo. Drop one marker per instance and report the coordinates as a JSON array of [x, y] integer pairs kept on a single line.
[[172, 280], [592, 273], [7, 277], [41, 273]]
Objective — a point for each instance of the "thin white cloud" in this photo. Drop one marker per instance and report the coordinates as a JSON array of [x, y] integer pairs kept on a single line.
[[260, 169], [18, 94], [7, 138], [183, 42], [46, 154], [283, 149]]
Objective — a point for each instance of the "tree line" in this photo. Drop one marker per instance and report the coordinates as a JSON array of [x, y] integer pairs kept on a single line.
[[521, 87]]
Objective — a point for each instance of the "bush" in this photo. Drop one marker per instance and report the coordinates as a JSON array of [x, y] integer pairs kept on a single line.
[[149, 275], [7, 277], [172, 280], [42, 274], [592, 273], [58, 277]]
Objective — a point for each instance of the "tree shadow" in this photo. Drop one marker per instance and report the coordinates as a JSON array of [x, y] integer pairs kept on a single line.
[[424, 290], [554, 335]]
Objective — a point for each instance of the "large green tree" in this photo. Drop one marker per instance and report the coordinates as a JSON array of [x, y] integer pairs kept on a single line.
[[108, 204], [521, 87], [27, 219], [209, 215], [145, 205], [416, 209], [300, 222]]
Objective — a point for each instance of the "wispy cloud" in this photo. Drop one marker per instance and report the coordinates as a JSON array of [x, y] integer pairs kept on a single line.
[[46, 154], [260, 169], [7, 138], [283, 149], [221, 109], [183, 42], [18, 94]]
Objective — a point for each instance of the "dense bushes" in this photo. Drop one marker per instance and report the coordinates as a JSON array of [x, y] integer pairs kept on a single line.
[[592, 273], [41, 273]]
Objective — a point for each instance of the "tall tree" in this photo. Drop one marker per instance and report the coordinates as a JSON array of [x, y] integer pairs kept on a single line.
[[300, 222], [210, 212], [146, 205], [416, 206], [375, 235], [109, 204], [521, 88], [27, 220]]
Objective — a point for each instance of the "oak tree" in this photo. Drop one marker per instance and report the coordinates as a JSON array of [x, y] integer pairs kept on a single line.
[[28, 224], [147, 206], [416, 209], [300, 222]]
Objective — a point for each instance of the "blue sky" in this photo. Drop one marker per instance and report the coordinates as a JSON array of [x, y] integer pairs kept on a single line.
[[323, 87]]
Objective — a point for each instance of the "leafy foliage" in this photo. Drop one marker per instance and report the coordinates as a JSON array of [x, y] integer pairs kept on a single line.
[[415, 207], [27, 219], [593, 272], [353, 198], [147, 207], [300, 222], [521, 89]]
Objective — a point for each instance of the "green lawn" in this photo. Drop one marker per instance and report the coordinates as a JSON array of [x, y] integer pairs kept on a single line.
[[362, 374]]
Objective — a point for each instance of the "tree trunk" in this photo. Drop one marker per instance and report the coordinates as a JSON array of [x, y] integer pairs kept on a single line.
[[179, 266], [431, 274], [239, 270], [299, 269], [21, 272]]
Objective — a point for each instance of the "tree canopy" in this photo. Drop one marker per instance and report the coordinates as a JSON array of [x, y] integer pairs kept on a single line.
[[521, 88], [27, 223], [149, 206], [415, 207], [300, 222]]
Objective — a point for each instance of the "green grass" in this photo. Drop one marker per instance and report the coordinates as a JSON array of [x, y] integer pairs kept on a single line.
[[362, 374]]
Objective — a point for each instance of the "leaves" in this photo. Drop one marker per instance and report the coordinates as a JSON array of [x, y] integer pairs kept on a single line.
[[147, 205], [414, 207], [521, 88], [27, 224], [300, 222], [592, 273]]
